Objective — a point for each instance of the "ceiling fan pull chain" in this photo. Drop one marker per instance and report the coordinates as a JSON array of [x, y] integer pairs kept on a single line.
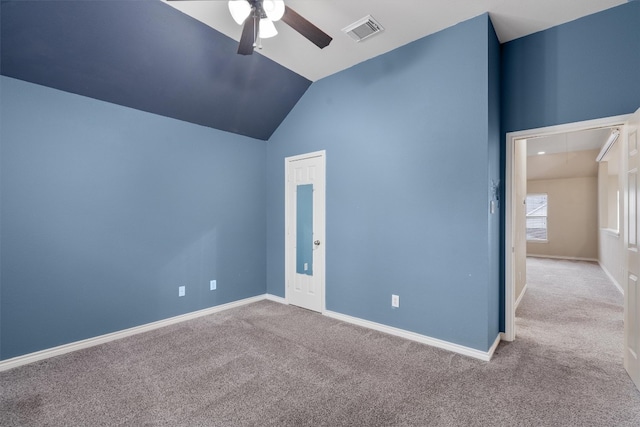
[[256, 28]]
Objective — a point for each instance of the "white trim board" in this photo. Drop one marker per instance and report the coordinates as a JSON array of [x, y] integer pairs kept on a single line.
[[610, 276], [275, 298], [568, 258], [524, 291], [102, 339], [423, 339], [510, 232]]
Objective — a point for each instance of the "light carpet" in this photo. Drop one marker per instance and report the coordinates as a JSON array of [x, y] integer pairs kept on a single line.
[[268, 364]]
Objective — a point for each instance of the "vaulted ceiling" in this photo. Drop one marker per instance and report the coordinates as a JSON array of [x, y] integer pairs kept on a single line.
[[180, 60], [149, 56], [403, 21]]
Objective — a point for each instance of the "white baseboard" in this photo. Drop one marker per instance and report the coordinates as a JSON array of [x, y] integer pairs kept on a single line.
[[613, 280], [423, 339], [568, 258], [275, 298], [524, 291], [494, 346], [102, 339]]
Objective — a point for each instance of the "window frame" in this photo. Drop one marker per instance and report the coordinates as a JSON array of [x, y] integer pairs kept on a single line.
[[546, 217]]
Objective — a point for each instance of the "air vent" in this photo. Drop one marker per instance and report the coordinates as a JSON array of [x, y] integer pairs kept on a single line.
[[363, 28]]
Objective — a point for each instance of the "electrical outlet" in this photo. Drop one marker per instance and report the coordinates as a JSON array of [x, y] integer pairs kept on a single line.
[[212, 285], [395, 301], [181, 291]]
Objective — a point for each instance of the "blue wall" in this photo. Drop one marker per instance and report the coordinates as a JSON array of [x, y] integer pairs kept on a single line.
[[106, 210], [494, 184], [149, 56], [408, 164], [582, 70]]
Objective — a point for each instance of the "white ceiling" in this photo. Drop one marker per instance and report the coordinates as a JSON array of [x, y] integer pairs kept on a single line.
[[589, 139], [404, 21]]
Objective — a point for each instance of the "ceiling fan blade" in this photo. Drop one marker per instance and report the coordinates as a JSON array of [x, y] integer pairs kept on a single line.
[[306, 28], [248, 37]]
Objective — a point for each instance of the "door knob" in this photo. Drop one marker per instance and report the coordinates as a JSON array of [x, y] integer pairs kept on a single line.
[[317, 242]]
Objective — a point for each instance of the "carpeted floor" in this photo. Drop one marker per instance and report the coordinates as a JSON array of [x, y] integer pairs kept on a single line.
[[268, 364]]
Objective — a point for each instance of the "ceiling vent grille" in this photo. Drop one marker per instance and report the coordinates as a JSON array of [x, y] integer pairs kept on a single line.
[[363, 29]]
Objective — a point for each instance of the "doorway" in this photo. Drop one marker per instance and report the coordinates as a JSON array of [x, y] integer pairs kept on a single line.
[[515, 245], [305, 231]]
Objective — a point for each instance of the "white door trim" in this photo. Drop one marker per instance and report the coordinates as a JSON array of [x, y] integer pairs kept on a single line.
[[509, 236], [630, 164], [319, 231]]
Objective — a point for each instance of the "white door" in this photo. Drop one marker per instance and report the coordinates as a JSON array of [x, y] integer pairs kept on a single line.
[[632, 236], [520, 247], [304, 228]]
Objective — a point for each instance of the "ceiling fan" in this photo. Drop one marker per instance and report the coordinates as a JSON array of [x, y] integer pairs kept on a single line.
[[258, 16]]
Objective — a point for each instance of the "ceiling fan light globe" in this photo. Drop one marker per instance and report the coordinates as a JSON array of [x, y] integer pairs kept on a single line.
[[274, 9], [240, 10], [267, 29]]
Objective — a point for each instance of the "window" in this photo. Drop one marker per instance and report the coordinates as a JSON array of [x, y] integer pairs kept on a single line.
[[536, 209]]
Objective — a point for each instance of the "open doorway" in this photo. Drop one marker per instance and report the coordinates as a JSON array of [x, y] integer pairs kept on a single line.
[[562, 211], [516, 198]]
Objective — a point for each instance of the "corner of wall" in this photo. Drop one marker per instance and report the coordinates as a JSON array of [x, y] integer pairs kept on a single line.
[[2, 78], [495, 182]]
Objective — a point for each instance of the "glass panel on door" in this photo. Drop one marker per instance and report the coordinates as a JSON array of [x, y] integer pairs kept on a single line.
[[304, 229]]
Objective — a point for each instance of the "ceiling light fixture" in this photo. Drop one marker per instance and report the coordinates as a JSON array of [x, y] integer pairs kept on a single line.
[[267, 29], [266, 11], [274, 9], [240, 10], [540, 153], [257, 18], [613, 137]]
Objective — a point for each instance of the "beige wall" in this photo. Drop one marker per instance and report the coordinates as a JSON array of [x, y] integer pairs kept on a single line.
[[612, 203], [603, 189], [611, 255], [563, 165], [572, 223], [611, 246]]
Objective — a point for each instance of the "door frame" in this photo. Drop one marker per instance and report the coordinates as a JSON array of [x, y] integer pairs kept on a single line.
[[319, 233], [509, 333], [629, 163]]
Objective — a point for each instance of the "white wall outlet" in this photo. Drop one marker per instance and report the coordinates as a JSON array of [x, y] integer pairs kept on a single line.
[[212, 285], [181, 291], [395, 301]]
